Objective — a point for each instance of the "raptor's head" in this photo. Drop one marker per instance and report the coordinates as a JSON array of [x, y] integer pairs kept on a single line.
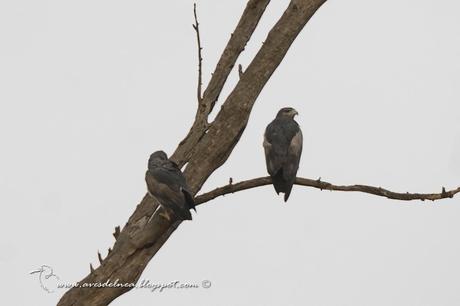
[[157, 158], [287, 112]]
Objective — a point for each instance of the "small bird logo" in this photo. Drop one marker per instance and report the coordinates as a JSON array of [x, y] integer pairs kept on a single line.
[[45, 277]]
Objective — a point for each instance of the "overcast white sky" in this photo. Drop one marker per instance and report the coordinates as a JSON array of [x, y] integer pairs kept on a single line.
[[88, 89]]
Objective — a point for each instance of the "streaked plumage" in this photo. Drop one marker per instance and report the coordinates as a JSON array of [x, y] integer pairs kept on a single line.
[[283, 148], [166, 182]]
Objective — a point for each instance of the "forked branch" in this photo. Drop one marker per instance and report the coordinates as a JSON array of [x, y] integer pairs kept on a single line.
[[205, 148], [318, 184], [235, 45]]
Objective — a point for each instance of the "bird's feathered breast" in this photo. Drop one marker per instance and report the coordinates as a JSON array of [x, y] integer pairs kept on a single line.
[[281, 131], [282, 144]]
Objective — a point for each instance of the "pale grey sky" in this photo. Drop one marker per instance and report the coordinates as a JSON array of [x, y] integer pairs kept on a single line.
[[88, 89]]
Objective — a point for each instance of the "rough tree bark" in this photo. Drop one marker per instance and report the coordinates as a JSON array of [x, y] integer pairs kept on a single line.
[[207, 146]]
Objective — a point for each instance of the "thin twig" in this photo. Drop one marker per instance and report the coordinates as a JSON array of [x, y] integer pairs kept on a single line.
[[238, 40], [378, 191], [196, 26]]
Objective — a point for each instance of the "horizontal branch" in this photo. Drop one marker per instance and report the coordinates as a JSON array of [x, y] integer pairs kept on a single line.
[[378, 191]]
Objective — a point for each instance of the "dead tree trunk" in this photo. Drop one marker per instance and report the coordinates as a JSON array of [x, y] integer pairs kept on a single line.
[[204, 148], [207, 146]]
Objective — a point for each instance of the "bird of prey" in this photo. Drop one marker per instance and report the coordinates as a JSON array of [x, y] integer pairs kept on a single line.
[[283, 147], [167, 184]]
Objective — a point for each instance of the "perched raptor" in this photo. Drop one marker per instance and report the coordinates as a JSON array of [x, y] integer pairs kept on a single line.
[[167, 184], [283, 147]]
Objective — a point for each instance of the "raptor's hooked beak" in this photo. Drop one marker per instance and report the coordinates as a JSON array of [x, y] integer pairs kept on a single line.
[[294, 113]]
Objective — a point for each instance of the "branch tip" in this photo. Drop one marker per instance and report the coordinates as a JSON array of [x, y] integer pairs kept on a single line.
[[196, 27], [117, 232]]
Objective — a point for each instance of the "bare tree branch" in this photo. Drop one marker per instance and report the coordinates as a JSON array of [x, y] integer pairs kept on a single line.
[[196, 26], [238, 40], [205, 148], [378, 191], [213, 148]]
